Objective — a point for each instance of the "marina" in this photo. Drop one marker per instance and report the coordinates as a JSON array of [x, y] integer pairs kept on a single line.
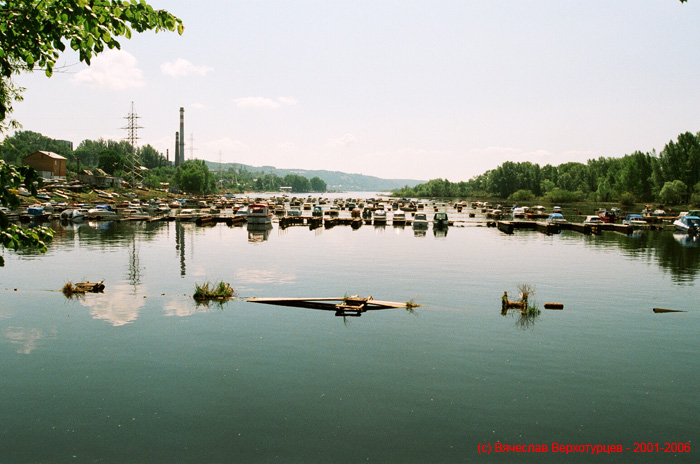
[[182, 377]]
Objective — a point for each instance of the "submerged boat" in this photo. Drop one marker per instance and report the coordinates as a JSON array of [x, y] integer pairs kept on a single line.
[[259, 213], [687, 224]]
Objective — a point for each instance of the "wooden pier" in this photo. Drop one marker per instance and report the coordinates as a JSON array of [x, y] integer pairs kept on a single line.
[[508, 227]]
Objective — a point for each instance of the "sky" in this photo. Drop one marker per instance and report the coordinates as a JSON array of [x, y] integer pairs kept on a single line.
[[403, 89]]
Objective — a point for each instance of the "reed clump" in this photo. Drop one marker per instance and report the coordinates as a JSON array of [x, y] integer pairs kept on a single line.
[[213, 291]]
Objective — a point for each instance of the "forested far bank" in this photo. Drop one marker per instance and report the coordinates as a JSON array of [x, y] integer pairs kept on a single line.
[[192, 176], [671, 177]]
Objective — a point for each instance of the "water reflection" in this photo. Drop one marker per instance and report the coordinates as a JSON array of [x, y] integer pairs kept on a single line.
[[258, 232], [120, 307], [686, 240], [27, 339], [181, 307]]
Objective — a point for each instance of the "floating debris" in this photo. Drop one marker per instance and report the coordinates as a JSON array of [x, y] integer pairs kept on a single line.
[[352, 306], [70, 289], [554, 306], [662, 310]]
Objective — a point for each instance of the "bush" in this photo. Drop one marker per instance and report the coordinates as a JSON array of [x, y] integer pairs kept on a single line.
[[627, 199], [560, 196], [522, 195], [673, 193]]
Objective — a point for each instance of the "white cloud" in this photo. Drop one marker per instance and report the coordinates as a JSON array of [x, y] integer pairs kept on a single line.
[[197, 106], [342, 142], [183, 68], [262, 102], [112, 70]]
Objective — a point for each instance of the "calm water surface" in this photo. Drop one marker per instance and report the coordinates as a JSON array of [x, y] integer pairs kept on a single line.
[[142, 374]]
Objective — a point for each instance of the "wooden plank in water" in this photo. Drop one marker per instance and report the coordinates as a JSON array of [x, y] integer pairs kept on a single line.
[[662, 310]]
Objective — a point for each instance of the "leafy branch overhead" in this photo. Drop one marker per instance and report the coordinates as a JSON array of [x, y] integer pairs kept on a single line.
[[12, 235], [34, 32]]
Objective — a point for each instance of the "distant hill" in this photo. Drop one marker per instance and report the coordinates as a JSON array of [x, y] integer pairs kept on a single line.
[[335, 180]]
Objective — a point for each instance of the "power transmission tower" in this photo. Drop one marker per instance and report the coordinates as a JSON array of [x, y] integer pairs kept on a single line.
[[191, 147], [133, 161]]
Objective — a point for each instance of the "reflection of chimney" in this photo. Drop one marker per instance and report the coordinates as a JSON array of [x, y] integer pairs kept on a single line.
[[182, 134], [177, 149]]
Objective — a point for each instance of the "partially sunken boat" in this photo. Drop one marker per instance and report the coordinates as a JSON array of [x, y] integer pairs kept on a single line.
[[352, 306]]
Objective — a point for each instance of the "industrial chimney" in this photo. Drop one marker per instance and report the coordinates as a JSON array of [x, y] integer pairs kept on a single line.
[[177, 149], [182, 134]]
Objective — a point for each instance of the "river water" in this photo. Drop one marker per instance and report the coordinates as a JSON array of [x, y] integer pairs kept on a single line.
[[143, 374]]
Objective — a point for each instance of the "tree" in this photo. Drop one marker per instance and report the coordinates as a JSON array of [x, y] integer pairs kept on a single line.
[[111, 161], [318, 184], [673, 193], [23, 143], [194, 176], [12, 235], [34, 32]]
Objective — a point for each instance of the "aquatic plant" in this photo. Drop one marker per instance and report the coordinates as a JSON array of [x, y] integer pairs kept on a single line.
[[70, 290], [209, 291]]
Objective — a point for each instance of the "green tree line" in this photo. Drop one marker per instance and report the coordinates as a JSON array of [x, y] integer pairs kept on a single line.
[[671, 177], [192, 176]]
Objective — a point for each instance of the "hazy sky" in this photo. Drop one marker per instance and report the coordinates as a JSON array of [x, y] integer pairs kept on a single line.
[[394, 89]]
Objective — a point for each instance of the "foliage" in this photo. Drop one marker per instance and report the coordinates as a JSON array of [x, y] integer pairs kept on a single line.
[[318, 184], [627, 199], [193, 176], [673, 193], [34, 32], [208, 290], [111, 161], [23, 143], [522, 195], [641, 176], [12, 235]]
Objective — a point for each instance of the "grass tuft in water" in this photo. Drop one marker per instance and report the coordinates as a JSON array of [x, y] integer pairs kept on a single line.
[[213, 291]]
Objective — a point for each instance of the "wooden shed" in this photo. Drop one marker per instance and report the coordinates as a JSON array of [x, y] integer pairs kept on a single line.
[[47, 164]]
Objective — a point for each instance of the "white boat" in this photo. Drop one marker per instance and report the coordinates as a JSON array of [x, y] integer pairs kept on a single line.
[[518, 213], [399, 217], [593, 220], [687, 224], [187, 215], [102, 212], [259, 213], [380, 216], [556, 218], [73, 214], [636, 221]]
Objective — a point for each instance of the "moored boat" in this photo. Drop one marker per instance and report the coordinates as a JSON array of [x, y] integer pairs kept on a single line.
[[102, 212], [687, 224], [440, 220], [380, 216], [399, 218], [259, 213]]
